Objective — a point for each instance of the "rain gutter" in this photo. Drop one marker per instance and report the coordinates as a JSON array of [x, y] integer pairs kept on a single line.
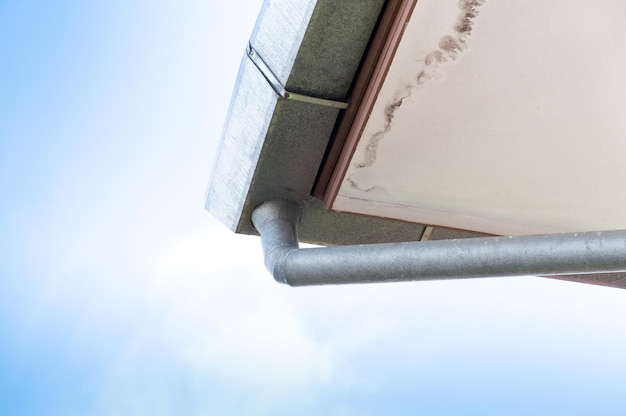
[[295, 81], [305, 62], [546, 255]]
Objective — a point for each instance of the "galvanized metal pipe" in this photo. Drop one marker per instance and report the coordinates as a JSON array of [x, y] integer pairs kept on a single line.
[[538, 255]]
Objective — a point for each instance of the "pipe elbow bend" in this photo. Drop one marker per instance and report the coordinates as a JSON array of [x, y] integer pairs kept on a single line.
[[275, 262], [277, 222]]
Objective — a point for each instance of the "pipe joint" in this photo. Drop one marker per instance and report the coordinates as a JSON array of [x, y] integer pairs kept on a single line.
[[277, 223]]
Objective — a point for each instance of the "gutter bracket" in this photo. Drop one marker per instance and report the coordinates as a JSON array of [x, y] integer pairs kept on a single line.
[[279, 88]]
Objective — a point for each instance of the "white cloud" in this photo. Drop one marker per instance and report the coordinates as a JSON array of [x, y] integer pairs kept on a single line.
[[226, 314]]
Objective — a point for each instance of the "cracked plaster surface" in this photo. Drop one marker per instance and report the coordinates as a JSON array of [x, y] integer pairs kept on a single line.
[[428, 66], [511, 113]]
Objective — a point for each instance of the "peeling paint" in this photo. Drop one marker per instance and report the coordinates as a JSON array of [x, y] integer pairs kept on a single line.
[[451, 45], [434, 58], [448, 48], [354, 185], [496, 137], [390, 110]]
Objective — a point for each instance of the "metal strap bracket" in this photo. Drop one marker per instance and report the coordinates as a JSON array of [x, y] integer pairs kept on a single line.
[[279, 88]]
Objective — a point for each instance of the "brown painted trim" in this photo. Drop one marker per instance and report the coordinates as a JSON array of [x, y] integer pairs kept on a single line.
[[367, 85]]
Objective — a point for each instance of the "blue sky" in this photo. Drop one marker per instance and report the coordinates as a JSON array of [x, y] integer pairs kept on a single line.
[[120, 295]]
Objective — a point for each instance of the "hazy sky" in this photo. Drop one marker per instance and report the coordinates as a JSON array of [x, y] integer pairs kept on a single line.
[[120, 295]]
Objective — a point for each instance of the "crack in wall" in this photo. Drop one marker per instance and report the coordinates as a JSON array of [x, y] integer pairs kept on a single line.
[[449, 47], [356, 186]]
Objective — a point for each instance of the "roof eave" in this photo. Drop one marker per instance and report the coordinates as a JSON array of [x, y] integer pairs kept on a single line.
[[272, 147]]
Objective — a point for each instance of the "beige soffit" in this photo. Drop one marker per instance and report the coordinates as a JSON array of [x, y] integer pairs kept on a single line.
[[502, 117]]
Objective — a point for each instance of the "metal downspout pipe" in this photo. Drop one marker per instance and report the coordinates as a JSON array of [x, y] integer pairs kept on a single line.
[[532, 255]]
